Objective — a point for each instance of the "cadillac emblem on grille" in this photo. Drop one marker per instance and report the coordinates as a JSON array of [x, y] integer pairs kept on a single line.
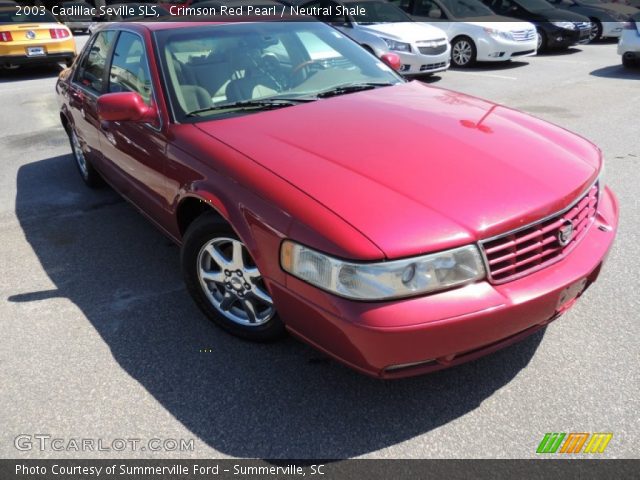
[[565, 232]]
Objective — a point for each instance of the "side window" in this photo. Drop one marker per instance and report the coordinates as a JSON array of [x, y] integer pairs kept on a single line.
[[428, 8], [129, 67], [91, 70]]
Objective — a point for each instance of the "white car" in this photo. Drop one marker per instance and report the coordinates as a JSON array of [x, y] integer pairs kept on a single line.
[[629, 43], [381, 27], [477, 34]]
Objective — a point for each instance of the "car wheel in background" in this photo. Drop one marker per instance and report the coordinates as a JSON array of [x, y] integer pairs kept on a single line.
[[89, 174], [542, 40], [225, 282], [596, 30], [628, 60], [463, 52]]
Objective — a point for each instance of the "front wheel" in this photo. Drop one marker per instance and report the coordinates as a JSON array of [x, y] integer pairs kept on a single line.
[[463, 52], [542, 40], [596, 31], [628, 61], [225, 282]]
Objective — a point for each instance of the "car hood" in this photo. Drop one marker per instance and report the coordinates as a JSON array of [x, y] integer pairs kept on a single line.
[[499, 23], [404, 31], [417, 168]]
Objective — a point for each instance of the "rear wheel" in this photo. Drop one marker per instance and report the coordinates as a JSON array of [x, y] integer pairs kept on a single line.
[[89, 174], [463, 52], [628, 61], [225, 282]]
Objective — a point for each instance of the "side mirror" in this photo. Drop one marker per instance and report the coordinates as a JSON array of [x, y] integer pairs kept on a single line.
[[392, 60], [125, 107]]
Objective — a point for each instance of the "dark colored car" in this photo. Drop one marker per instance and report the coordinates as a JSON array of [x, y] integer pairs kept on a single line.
[[556, 28], [607, 18], [398, 227], [78, 15]]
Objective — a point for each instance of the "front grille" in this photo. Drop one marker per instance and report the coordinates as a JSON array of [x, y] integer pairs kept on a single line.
[[437, 50], [523, 251], [432, 66], [523, 35]]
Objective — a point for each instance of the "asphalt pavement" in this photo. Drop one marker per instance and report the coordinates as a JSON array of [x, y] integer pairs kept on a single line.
[[100, 340]]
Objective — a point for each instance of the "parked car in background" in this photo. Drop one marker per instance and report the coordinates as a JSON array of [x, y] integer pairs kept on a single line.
[[384, 27], [556, 28], [135, 12], [397, 227], [80, 18], [33, 39], [476, 33], [629, 43], [607, 18]]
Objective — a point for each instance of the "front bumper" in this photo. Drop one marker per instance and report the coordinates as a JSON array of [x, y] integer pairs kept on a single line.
[[491, 49], [419, 335], [561, 37], [417, 64]]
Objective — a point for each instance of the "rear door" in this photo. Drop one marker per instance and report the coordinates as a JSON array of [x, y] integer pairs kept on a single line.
[[88, 83]]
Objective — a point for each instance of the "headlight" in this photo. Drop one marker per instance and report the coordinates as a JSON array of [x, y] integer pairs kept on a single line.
[[397, 46], [494, 32], [383, 280], [565, 25]]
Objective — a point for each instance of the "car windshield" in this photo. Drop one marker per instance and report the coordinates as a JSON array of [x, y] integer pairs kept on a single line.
[[467, 8], [11, 16], [535, 5], [378, 12], [210, 68]]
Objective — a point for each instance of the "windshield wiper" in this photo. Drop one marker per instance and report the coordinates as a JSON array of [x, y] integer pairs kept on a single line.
[[352, 87], [265, 104]]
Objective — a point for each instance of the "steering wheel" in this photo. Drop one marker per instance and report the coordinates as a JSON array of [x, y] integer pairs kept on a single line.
[[300, 66]]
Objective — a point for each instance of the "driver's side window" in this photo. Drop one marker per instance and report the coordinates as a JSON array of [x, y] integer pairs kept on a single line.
[[129, 67]]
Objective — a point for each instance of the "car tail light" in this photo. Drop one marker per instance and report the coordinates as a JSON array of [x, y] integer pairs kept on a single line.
[[5, 37], [59, 32]]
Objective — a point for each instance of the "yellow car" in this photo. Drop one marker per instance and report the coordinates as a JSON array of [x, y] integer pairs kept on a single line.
[[35, 37]]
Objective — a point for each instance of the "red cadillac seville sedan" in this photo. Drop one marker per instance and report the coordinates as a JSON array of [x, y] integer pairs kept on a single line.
[[397, 227]]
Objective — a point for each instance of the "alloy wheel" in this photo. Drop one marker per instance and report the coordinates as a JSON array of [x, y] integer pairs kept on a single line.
[[462, 52], [232, 282], [79, 155]]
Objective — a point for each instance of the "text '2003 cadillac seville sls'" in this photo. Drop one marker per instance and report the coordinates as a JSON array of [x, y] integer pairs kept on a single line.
[[398, 227]]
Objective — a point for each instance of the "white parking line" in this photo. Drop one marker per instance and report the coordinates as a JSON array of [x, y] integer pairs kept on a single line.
[[488, 75]]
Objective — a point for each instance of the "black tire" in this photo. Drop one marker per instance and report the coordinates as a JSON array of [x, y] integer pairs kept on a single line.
[[89, 174], [542, 40], [596, 30], [204, 229], [628, 61], [463, 52]]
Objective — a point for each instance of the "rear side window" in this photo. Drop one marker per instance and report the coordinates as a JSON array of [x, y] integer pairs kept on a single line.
[[92, 68], [129, 67]]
